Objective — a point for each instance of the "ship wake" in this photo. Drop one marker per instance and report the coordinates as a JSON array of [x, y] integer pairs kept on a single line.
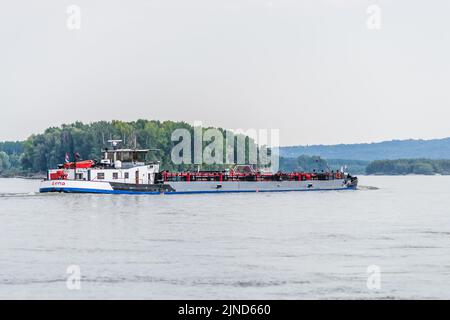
[[19, 194], [367, 188]]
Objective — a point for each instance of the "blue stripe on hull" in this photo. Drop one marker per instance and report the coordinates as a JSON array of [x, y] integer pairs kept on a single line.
[[98, 191]]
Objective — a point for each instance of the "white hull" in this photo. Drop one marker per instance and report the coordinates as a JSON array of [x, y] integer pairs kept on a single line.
[[182, 187]]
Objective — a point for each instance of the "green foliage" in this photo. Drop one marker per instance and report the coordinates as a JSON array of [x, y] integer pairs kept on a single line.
[[10, 157], [309, 163], [47, 150], [43, 151], [353, 166], [5, 163], [409, 166], [303, 164], [11, 147]]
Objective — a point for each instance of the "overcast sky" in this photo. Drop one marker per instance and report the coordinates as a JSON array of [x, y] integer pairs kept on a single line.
[[312, 68]]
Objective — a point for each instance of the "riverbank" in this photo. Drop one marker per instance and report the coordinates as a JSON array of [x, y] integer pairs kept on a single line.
[[426, 167], [36, 176]]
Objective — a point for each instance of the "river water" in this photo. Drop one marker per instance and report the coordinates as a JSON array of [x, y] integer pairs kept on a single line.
[[300, 245]]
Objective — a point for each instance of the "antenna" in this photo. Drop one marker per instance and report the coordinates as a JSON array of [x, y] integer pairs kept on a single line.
[[114, 143]]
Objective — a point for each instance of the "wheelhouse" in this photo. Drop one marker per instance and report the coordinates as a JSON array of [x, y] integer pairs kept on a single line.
[[126, 155]]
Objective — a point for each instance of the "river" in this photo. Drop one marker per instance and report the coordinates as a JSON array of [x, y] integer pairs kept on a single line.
[[298, 245]]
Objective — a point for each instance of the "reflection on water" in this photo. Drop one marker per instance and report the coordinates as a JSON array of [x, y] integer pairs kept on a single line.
[[261, 246]]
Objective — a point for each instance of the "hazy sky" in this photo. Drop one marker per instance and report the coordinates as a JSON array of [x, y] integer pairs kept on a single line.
[[312, 68]]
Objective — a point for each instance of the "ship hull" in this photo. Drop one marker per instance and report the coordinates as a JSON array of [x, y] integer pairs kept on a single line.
[[182, 187]]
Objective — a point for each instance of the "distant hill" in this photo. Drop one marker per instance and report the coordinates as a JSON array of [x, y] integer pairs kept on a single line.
[[388, 150]]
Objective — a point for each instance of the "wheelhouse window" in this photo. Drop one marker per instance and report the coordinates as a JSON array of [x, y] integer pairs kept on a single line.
[[115, 175], [140, 156], [125, 156], [100, 175], [127, 175]]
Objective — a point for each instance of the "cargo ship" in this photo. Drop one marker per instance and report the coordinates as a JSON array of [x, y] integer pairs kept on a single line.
[[126, 171]]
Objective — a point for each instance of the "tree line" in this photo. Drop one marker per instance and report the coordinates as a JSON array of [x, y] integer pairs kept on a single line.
[[46, 150], [305, 163], [408, 166], [10, 157], [42, 151]]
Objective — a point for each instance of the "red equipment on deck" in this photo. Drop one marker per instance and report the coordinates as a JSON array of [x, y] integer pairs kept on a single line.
[[86, 164], [254, 176]]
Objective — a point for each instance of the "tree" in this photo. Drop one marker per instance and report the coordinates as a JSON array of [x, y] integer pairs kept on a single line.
[[5, 164], [47, 150], [423, 168], [409, 166]]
